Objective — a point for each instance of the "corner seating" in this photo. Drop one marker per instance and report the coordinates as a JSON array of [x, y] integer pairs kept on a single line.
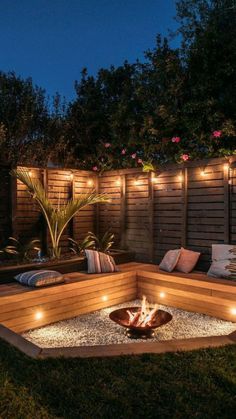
[[23, 308]]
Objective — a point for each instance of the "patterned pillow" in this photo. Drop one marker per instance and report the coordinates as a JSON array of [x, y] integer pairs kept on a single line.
[[170, 260], [99, 262], [39, 278], [223, 269], [222, 251]]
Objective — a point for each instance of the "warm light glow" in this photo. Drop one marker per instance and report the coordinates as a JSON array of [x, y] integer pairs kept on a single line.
[[180, 177], [38, 315], [136, 182], [230, 182], [90, 182], [203, 173], [162, 294], [153, 179], [118, 182], [71, 176], [30, 173], [104, 298], [233, 311], [226, 166]]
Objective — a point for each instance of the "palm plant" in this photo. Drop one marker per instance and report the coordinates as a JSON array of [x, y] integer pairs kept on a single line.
[[58, 218], [78, 247], [103, 243]]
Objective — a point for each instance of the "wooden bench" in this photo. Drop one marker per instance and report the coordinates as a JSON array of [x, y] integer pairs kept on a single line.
[[23, 308]]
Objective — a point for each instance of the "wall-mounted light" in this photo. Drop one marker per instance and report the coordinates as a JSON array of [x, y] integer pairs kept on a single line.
[[136, 181], [38, 315], [226, 166], [30, 173], [233, 311], [162, 294], [203, 172], [71, 176], [118, 182], [154, 178], [104, 298], [90, 182], [180, 178]]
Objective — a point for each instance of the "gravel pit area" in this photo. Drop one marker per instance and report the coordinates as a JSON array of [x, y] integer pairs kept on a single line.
[[96, 328]]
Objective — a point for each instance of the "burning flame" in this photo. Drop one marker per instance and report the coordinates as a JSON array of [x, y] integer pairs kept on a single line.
[[144, 317]]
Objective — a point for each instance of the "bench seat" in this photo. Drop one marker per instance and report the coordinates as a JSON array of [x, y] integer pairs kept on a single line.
[[23, 308]]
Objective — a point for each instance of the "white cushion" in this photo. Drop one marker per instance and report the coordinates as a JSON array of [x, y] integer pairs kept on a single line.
[[220, 269], [222, 251]]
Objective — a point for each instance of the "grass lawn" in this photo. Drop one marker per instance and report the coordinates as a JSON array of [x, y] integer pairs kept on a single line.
[[199, 384]]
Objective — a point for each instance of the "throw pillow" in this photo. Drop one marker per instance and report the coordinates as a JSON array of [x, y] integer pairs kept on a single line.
[[222, 251], [221, 269], [99, 262], [187, 260], [170, 260], [39, 278]]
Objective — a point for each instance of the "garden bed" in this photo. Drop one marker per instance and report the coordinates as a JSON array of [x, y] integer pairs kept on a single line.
[[63, 265]]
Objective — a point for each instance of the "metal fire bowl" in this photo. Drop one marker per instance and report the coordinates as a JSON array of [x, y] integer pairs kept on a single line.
[[121, 317]]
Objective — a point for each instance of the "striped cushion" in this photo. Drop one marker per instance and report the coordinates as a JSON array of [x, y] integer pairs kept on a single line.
[[100, 262], [39, 278]]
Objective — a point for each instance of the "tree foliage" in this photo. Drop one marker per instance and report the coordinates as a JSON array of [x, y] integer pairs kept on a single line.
[[178, 104]]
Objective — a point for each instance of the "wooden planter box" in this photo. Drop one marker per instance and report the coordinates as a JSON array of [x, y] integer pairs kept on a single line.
[[74, 264]]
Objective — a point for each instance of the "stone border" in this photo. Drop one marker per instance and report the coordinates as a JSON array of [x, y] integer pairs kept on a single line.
[[35, 351]]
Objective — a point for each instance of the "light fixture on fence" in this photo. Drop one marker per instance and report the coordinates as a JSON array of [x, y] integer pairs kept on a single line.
[[38, 315], [226, 166], [162, 294], [71, 176], [30, 173], [104, 298], [233, 311], [118, 182], [180, 178], [136, 181], [153, 178], [90, 182], [203, 172]]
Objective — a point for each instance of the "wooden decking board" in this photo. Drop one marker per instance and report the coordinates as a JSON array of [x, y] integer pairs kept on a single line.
[[82, 293], [100, 288]]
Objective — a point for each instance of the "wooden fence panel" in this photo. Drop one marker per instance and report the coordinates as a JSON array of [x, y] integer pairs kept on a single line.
[[193, 205]]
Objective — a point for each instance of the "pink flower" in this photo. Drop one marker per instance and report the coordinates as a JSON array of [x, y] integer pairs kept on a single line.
[[140, 161], [175, 140], [107, 145], [123, 152], [133, 156], [217, 134], [95, 168], [185, 157]]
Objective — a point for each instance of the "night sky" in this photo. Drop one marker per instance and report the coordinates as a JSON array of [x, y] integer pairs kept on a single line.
[[52, 40]]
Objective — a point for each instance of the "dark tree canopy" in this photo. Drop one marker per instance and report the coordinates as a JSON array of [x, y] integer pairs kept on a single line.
[[178, 104]]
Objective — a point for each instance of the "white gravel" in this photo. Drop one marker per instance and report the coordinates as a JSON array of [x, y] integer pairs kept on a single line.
[[97, 329]]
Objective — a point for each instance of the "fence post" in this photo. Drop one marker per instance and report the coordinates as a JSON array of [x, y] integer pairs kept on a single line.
[[185, 206], [226, 203], [44, 223], [151, 215], [123, 187]]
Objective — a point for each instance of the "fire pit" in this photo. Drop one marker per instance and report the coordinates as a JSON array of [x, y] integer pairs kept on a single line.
[[140, 322]]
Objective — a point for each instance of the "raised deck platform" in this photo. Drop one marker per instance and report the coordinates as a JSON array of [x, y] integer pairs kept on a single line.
[[23, 308]]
